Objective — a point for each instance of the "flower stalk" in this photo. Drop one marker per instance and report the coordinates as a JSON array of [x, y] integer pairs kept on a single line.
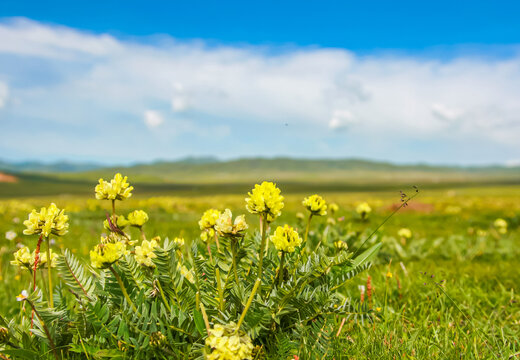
[[123, 289], [49, 272]]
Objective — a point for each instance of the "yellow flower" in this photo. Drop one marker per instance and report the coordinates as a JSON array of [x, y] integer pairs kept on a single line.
[[378, 309], [405, 233], [121, 223], [157, 339], [265, 199], [48, 221], [501, 225], [389, 274], [117, 189], [333, 208], [209, 219], [178, 241], [341, 245], [207, 235], [137, 218], [225, 226], [226, 343], [144, 253], [185, 272], [104, 255], [25, 259], [363, 209], [315, 204], [285, 238]]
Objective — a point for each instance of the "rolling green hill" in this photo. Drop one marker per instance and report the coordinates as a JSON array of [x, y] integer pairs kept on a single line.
[[201, 176]]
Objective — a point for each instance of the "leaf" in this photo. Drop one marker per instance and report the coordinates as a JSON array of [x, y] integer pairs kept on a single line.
[[199, 322]]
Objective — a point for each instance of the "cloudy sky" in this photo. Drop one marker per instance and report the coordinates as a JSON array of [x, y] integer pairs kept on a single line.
[[119, 85]]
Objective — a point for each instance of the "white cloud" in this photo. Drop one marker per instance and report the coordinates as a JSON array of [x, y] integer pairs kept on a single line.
[[443, 112], [4, 93], [179, 104], [153, 118], [313, 89], [341, 119]]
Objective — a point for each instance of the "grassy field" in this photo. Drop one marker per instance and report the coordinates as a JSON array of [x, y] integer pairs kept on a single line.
[[453, 292]]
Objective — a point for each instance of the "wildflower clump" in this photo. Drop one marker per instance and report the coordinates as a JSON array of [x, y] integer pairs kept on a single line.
[[226, 227], [120, 222], [405, 233], [117, 189], [104, 255], [209, 219], [144, 254], [333, 208], [137, 218], [363, 210], [157, 339], [47, 221], [25, 259], [226, 343], [340, 245], [316, 205], [265, 199], [207, 224], [285, 238], [501, 225]]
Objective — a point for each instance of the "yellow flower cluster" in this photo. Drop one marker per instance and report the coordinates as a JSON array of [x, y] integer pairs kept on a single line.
[[333, 208], [315, 204], [341, 245], [185, 272], [265, 199], [207, 235], [117, 189], [121, 222], [209, 219], [405, 233], [226, 227], [363, 209], [137, 218], [105, 255], [226, 344], [179, 242], [144, 253], [25, 259], [285, 238], [48, 221], [501, 225]]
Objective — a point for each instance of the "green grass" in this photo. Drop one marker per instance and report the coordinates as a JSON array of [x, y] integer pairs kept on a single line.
[[469, 309]]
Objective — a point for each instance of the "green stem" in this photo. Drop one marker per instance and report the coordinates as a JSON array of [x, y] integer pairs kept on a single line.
[[162, 295], [249, 302], [49, 273], [219, 288], [113, 210], [234, 251], [405, 203], [263, 230], [279, 277], [307, 228], [123, 289], [262, 246], [53, 347]]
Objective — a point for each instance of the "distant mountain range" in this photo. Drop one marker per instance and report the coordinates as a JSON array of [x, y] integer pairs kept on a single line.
[[209, 175], [40, 167], [243, 164]]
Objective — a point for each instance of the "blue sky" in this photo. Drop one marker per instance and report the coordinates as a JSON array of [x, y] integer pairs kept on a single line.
[[118, 82]]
